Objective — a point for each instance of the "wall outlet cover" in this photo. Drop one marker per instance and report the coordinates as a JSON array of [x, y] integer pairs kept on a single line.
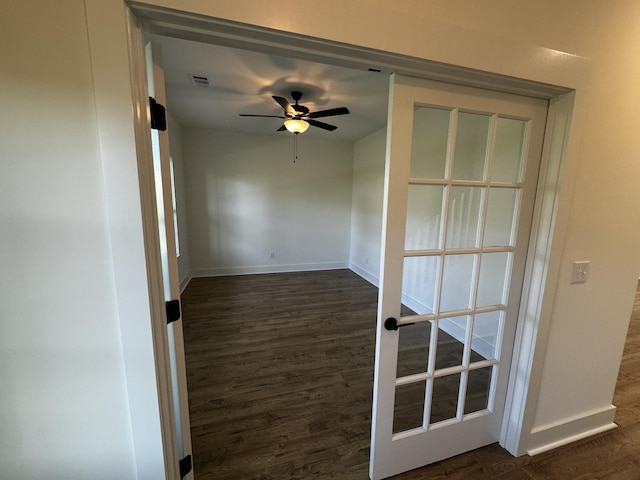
[[580, 271]]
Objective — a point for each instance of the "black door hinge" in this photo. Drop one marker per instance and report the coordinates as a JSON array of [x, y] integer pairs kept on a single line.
[[173, 310], [158, 115], [185, 466]]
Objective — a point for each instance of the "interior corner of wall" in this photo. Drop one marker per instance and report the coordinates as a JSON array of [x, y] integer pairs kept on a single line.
[[184, 281]]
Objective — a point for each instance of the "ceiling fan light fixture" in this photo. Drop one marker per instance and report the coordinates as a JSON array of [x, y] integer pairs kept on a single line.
[[296, 126]]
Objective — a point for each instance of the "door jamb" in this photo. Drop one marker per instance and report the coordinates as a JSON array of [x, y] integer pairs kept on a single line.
[[146, 175]]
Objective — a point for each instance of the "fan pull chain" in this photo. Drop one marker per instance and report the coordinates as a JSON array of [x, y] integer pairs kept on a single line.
[[295, 147]]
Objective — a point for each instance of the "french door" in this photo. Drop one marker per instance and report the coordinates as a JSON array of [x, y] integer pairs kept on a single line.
[[461, 173], [163, 178]]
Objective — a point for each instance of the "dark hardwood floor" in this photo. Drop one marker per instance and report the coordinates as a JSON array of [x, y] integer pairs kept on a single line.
[[280, 371]]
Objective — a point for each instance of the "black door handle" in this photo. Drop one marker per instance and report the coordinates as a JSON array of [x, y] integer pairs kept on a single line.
[[392, 324]]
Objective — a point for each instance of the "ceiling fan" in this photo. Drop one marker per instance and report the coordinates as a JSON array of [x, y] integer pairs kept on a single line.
[[297, 118]]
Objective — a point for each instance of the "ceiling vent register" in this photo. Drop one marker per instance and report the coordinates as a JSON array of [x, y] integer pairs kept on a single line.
[[200, 80]]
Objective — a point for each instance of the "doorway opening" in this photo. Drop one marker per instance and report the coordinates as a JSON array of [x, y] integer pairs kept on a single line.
[[220, 172], [561, 112], [244, 208]]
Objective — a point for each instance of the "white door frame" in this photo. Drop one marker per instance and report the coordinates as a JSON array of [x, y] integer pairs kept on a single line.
[[117, 56], [164, 182]]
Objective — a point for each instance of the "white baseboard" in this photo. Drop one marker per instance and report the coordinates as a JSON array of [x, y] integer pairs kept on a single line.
[[478, 344], [548, 437], [257, 269], [368, 276], [415, 305]]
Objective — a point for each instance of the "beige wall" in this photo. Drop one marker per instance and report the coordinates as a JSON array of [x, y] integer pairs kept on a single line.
[[64, 412]]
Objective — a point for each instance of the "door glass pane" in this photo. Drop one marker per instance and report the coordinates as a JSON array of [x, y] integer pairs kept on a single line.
[[429, 143], [478, 388], [408, 410], [413, 348], [463, 217], [451, 337], [419, 285], [493, 279], [444, 401], [457, 279], [500, 217], [508, 151], [486, 335], [471, 146], [424, 212]]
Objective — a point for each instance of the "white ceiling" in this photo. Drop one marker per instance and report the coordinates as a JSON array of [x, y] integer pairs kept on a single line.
[[244, 81]]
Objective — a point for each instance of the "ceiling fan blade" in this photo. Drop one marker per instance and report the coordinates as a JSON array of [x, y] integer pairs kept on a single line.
[[324, 126], [329, 113], [288, 109], [281, 129], [263, 116]]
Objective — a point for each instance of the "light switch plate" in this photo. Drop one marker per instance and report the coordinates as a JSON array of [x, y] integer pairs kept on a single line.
[[580, 272]]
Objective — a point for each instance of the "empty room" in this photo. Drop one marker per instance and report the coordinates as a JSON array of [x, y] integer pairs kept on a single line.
[[279, 252]]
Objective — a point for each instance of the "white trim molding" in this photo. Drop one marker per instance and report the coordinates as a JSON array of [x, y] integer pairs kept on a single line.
[[548, 437], [259, 269], [368, 276]]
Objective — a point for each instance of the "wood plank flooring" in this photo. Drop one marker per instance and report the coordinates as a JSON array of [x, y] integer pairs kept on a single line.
[[280, 371]]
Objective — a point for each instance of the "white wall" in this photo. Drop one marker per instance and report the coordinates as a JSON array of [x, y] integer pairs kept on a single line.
[[63, 403], [366, 205], [175, 144], [247, 198]]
